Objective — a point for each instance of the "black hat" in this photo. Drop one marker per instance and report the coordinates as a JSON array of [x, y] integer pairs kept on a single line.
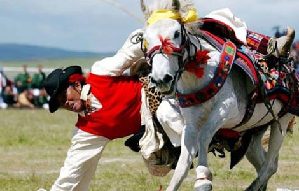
[[57, 81]]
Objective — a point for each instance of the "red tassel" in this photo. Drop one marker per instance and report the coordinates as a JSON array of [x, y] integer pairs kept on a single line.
[[167, 45], [202, 56], [196, 67]]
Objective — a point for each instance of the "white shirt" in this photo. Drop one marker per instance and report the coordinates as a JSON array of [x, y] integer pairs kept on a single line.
[[95, 104]]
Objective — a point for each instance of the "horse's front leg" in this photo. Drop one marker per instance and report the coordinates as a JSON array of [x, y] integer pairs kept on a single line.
[[203, 174], [188, 151], [271, 163]]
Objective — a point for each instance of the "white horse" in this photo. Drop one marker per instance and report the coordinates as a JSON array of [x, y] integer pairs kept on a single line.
[[170, 47]]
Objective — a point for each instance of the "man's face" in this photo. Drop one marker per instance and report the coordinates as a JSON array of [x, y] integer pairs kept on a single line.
[[70, 98]]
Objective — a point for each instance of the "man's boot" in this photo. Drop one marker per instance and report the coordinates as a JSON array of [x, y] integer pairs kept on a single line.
[[280, 47]]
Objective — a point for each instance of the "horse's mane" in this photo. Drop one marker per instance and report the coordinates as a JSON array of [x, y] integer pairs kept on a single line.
[[183, 6]]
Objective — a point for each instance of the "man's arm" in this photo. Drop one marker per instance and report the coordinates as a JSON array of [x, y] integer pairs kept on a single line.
[[117, 65]]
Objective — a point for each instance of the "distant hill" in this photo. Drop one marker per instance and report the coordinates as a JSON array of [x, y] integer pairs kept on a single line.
[[13, 52]]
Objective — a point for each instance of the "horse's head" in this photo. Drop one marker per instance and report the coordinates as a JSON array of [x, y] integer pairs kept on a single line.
[[166, 43], [165, 53]]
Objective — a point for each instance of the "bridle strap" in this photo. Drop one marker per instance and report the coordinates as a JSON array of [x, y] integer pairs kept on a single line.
[[159, 49], [187, 44]]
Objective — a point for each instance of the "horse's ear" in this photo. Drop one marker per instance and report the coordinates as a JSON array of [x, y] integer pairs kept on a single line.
[[176, 5], [144, 10], [142, 6]]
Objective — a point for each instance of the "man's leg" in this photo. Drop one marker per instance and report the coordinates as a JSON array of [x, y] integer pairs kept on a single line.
[[171, 119], [278, 47], [81, 162], [284, 43]]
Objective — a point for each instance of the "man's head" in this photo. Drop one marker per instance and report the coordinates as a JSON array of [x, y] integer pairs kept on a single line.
[[64, 88]]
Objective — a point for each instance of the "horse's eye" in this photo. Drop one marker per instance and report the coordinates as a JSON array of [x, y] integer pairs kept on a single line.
[[176, 34]]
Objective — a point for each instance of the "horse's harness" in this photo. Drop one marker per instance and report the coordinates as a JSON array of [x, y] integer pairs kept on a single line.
[[185, 47]]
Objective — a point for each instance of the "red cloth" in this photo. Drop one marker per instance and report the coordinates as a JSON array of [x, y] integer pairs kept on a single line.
[[119, 116]]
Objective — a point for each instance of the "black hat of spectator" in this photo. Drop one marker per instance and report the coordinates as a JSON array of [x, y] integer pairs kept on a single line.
[[56, 82]]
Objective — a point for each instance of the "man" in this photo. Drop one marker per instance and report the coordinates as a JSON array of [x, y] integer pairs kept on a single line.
[[108, 103], [38, 78], [3, 82], [23, 80]]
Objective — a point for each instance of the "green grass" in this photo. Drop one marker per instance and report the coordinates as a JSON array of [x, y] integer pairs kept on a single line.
[[33, 146]]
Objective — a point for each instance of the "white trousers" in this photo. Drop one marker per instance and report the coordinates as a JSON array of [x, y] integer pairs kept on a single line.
[[171, 119], [81, 162]]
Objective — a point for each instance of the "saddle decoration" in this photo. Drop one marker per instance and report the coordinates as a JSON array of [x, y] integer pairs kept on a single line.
[[227, 57], [171, 14]]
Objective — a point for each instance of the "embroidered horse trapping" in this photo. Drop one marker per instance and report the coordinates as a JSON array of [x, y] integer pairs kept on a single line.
[[227, 57], [279, 80], [244, 58]]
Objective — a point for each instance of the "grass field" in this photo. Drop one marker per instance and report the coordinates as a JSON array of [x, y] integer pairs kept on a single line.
[[33, 145]]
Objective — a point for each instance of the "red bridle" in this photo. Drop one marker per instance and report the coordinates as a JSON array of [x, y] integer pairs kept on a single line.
[[166, 47]]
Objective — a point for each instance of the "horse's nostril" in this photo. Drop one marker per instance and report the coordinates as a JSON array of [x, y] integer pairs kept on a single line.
[[167, 78]]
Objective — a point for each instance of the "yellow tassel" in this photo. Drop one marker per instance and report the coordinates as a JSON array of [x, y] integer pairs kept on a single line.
[[170, 14], [163, 14]]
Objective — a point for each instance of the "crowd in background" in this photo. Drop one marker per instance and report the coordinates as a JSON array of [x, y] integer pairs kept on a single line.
[[24, 91], [295, 55]]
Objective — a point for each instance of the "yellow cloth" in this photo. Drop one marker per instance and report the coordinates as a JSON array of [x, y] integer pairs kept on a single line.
[[163, 14], [170, 14], [192, 16]]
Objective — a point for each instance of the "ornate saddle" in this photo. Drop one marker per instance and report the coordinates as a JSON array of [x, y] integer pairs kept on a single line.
[[271, 78]]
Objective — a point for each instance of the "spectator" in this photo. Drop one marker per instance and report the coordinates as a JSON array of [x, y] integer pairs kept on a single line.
[[23, 80], [41, 101], [3, 82], [38, 78], [295, 51], [25, 99], [9, 97], [295, 55], [40, 96]]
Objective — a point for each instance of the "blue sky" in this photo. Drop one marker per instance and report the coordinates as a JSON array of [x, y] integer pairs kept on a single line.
[[100, 26]]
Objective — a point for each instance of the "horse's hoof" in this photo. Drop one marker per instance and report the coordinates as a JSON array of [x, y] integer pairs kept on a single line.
[[253, 186], [203, 185]]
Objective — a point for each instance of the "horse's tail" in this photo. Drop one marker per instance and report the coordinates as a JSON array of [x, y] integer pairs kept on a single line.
[[291, 125]]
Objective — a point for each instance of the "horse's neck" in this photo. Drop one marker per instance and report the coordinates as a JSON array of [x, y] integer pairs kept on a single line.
[[189, 82]]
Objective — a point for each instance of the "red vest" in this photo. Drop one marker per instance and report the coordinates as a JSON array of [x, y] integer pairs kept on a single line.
[[119, 116]]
